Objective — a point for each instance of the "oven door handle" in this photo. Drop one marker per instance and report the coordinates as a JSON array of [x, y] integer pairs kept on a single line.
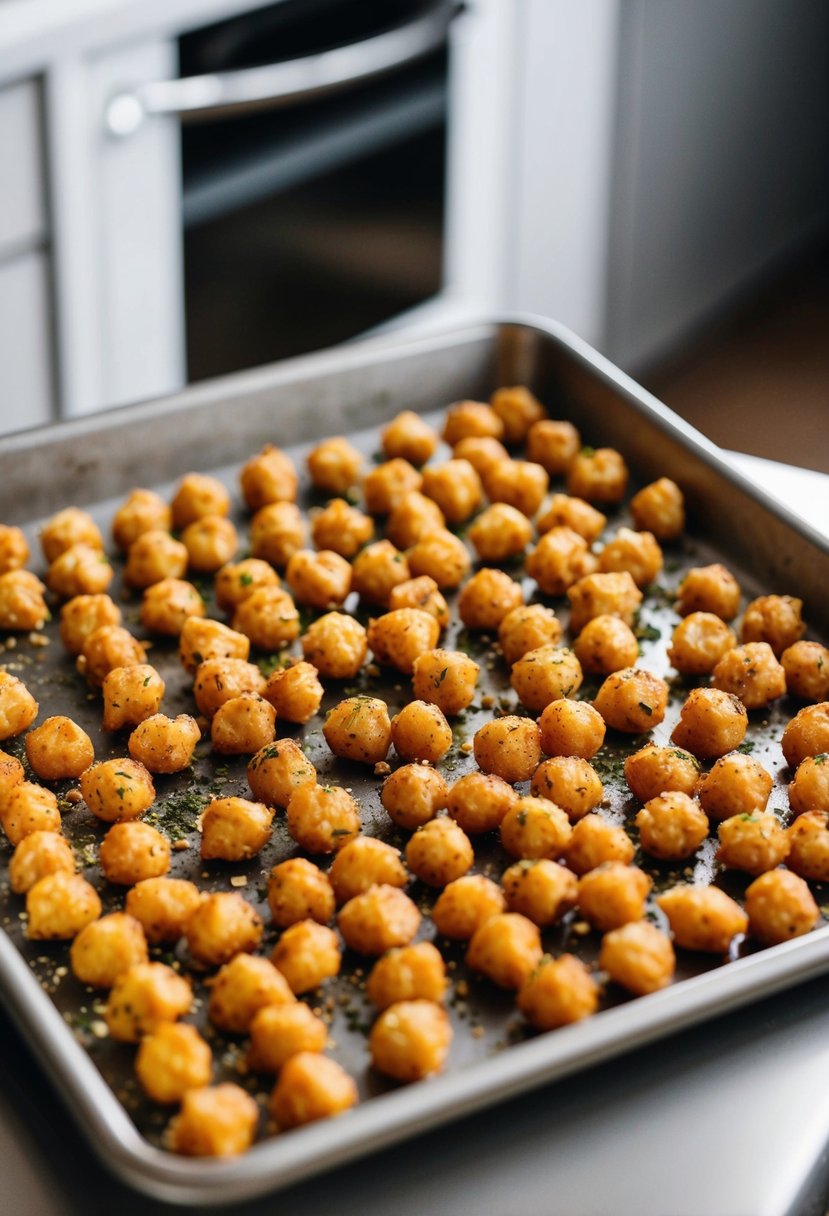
[[282, 84]]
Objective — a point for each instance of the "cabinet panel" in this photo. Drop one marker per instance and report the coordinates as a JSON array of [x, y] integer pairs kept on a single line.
[[25, 343], [22, 202]]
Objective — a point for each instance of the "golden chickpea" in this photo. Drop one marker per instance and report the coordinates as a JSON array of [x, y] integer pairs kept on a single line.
[[564, 511], [526, 628], [518, 483], [131, 694], [398, 638], [409, 973], [752, 673], [221, 925], [196, 496], [166, 606], [553, 444], [243, 725], [595, 841], [421, 593], [413, 795], [234, 829], [519, 410], [11, 774], [659, 508], [709, 589], [711, 723], [571, 728], [571, 783], [377, 570], [59, 905], [774, 619], [633, 700], [560, 559], [363, 863], [306, 954], [334, 465], [295, 692], [478, 802], [439, 852], [378, 920], [506, 948], [65, 530], [807, 734], [654, 770], [606, 645], [466, 904], [165, 745], [59, 748], [142, 511], [755, 842], [672, 826], [211, 542], [408, 437], [106, 948], [487, 598], [810, 789], [809, 846], [561, 991], [421, 732], [510, 747], [38, 854], [471, 419], [736, 785], [540, 889], [342, 528], [82, 615], [14, 548], [22, 605], [172, 1061], [699, 642], [279, 1032], [81, 570], [613, 894], [268, 477], [144, 998], [109, 647], [441, 555], [702, 918], [779, 907], [278, 770], [603, 595], [237, 580], [358, 728], [639, 957], [410, 1040], [806, 665], [414, 516], [385, 485], [598, 475], [446, 678], [153, 557], [202, 640], [547, 674], [29, 808], [322, 818], [298, 890], [535, 827], [133, 851], [220, 680], [311, 1087], [320, 580], [216, 1121], [117, 790], [268, 619], [482, 451], [276, 532], [637, 552], [163, 906], [241, 988], [500, 532]]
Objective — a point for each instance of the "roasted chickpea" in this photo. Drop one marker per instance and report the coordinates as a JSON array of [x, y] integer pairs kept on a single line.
[[559, 992], [654, 770], [446, 678], [613, 894], [363, 863], [278, 1032], [535, 827], [421, 732], [322, 818], [702, 918], [603, 595], [386, 484], [540, 889], [736, 785], [441, 555], [518, 409], [547, 674], [775, 620], [166, 606], [377, 570], [234, 829], [806, 665], [560, 559], [471, 419], [639, 957], [133, 851], [106, 948], [202, 640], [268, 477], [632, 700], [131, 694], [711, 589], [277, 770], [752, 673], [337, 645], [595, 841], [211, 542], [311, 1087], [636, 552], [22, 605], [410, 1040], [219, 680], [81, 570], [810, 789], [518, 483], [109, 647], [482, 451], [564, 511], [237, 580], [506, 948], [14, 548], [407, 436], [38, 854], [379, 919], [599, 475], [145, 998], [439, 852], [659, 508], [413, 795], [142, 511], [672, 826], [165, 745], [243, 725], [29, 808], [68, 528], [779, 907], [510, 747], [421, 593], [11, 774], [221, 925], [571, 728], [341, 528], [487, 598], [414, 516], [398, 638], [59, 748], [163, 906], [196, 496], [59, 905], [711, 723], [700, 641], [809, 846], [295, 692], [755, 843], [298, 890], [276, 532], [117, 790], [173, 1061], [334, 465], [409, 973], [358, 728], [553, 444], [466, 904], [241, 988], [155, 556], [571, 783], [320, 580], [268, 619], [605, 645], [526, 628], [82, 615], [500, 532], [216, 1121], [478, 802], [807, 734]]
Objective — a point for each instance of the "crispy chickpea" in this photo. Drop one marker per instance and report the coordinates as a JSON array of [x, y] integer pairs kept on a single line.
[[526, 628], [595, 841], [142, 511], [637, 552], [196, 496], [59, 748], [165, 745], [278, 1032], [409, 973], [298, 890], [571, 728], [172, 1061], [322, 818], [377, 570], [571, 783], [295, 692], [421, 593], [29, 808], [500, 532], [363, 863], [410, 1040], [736, 785], [320, 580], [810, 789], [307, 953], [809, 846], [378, 920], [553, 444], [779, 907], [702, 918], [441, 555], [211, 542], [334, 465], [639, 957], [755, 842], [82, 615], [237, 580], [752, 673], [478, 802], [659, 508], [311, 1087], [654, 770], [243, 725], [560, 559], [117, 790], [605, 645], [221, 925], [420, 732], [358, 728], [632, 700], [14, 548], [341, 528], [487, 598], [774, 619], [540, 889], [518, 483], [336, 645], [407, 436], [471, 420], [439, 852], [153, 557], [672, 826], [446, 678], [133, 851], [59, 906], [109, 647], [11, 774], [234, 829], [398, 638], [564, 511], [613, 894], [268, 477], [807, 734], [131, 694], [466, 904], [559, 992], [518, 409], [268, 619], [414, 516], [806, 665], [699, 642], [81, 570], [38, 854], [106, 948], [215, 1121], [166, 606], [276, 532], [709, 589], [22, 605], [277, 770], [241, 988], [711, 723], [535, 827], [505, 948], [510, 747], [144, 998], [603, 595], [413, 795], [386, 484], [163, 907], [482, 451], [219, 680], [202, 640], [599, 475], [547, 674], [68, 528]]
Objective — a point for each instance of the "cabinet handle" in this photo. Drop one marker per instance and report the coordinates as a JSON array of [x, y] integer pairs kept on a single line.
[[224, 94]]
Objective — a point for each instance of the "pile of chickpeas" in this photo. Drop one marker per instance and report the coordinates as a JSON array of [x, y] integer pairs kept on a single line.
[[533, 787]]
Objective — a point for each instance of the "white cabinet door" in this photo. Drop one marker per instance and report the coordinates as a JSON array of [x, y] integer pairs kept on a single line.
[[25, 343]]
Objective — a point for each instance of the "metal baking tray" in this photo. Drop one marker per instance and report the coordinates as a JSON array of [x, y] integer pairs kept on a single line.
[[214, 427]]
